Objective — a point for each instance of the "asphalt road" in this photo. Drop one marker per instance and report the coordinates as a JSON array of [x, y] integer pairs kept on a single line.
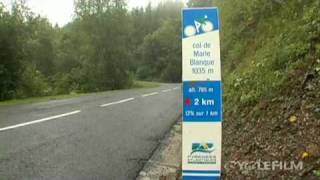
[[102, 136]]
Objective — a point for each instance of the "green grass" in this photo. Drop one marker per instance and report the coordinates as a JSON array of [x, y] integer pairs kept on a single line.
[[136, 85], [145, 84], [39, 99]]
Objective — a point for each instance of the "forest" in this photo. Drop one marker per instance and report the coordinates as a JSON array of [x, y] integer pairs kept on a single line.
[[105, 47]]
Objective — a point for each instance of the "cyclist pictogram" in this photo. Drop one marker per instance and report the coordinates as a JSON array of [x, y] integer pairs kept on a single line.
[[200, 25]]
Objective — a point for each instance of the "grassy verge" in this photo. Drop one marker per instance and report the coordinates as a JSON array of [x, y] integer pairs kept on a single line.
[[145, 84], [136, 85], [39, 99]]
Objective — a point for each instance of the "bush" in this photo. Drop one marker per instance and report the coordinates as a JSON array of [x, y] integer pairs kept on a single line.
[[33, 83], [61, 83]]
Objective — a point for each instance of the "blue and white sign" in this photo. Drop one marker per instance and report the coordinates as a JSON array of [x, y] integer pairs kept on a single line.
[[202, 101], [201, 45], [202, 94]]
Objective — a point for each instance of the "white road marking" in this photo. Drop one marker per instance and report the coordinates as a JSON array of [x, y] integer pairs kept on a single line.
[[150, 94], [167, 90], [175, 88], [40, 120], [117, 102]]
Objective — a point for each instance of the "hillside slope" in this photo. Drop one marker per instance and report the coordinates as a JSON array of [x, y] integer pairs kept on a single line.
[[271, 63]]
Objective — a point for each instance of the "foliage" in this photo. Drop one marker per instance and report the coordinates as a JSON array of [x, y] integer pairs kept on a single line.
[[161, 53], [264, 43], [145, 84], [104, 48], [33, 83], [9, 64]]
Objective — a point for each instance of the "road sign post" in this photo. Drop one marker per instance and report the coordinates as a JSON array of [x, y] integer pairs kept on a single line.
[[202, 94]]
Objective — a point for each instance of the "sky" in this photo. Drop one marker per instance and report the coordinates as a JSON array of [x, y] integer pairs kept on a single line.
[[61, 11]]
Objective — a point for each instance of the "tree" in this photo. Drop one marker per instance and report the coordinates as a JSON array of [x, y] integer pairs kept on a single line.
[[202, 3], [39, 46], [105, 60], [161, 53], [9, 63]]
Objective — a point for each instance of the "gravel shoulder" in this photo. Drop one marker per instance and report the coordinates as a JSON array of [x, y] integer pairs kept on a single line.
[[165, 162]]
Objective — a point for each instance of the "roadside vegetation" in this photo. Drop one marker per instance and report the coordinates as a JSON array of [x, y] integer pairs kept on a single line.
[[105, 47], [30, 100], [145, 84], [271, 76]]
